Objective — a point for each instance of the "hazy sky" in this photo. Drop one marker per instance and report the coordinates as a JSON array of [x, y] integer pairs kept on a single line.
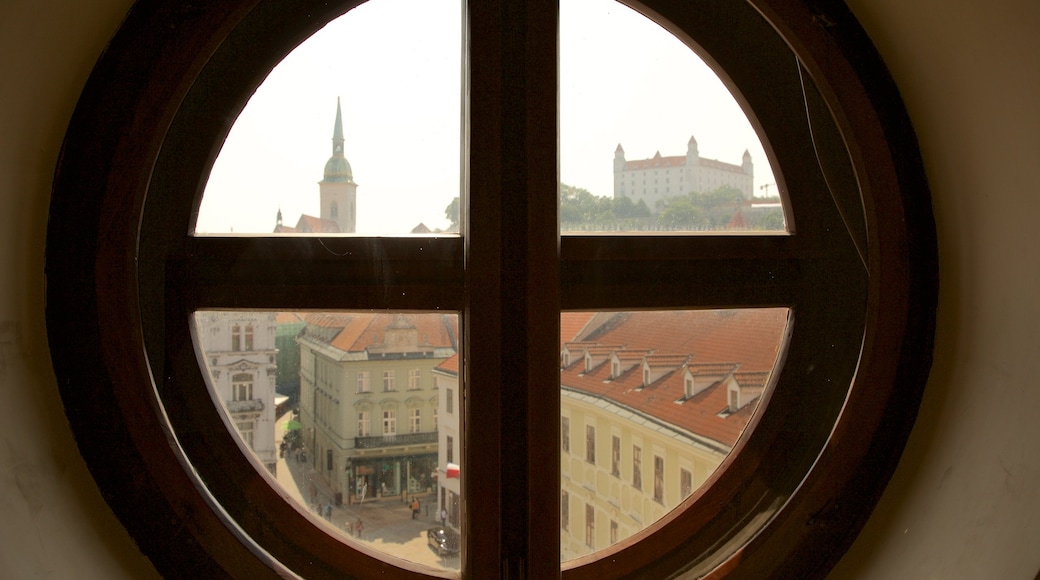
[[395, 65]]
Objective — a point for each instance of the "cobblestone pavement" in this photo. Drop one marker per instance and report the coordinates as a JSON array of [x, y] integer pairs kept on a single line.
[[387, 523]]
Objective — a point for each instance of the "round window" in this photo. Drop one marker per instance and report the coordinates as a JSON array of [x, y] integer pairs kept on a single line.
[[849, 276]]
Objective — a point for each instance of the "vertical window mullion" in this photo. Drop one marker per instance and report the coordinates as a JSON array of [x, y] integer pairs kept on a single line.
[[511, 392]]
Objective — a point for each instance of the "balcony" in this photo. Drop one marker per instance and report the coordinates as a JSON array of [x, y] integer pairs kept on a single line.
[[377, 441], [247, 406]]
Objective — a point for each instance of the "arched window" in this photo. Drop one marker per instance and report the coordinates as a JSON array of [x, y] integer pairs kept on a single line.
[[857, 272]]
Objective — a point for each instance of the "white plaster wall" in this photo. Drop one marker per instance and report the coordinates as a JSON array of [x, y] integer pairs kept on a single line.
[[54, 523], [965, 501]]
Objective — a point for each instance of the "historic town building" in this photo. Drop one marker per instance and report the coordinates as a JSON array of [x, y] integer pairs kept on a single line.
[[240, 356], [651, 403], [338, 194], [659, 178], [368, 400], [449, 439]]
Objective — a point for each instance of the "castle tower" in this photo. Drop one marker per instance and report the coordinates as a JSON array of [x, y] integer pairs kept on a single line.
[[338, 190], [619, 167]]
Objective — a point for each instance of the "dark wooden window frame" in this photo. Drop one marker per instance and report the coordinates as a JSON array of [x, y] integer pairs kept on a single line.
[[858, 272]]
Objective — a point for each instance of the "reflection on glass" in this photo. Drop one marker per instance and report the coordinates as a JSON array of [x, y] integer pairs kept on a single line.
[[355, 414], [355, 131], [650, 138], [651, 403]]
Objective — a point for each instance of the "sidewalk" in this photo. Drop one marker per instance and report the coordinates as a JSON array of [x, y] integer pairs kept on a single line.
[[387, 523]]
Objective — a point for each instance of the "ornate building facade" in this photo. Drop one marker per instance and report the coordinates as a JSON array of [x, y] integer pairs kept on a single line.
[[240, 355], [368, 400]]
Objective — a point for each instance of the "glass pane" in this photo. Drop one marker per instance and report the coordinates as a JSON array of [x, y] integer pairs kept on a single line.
[[354, 414], [650, 138], [355, 131], [651, 403]]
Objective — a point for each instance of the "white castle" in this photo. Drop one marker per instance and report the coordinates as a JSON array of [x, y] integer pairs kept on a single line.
[[659, 178]]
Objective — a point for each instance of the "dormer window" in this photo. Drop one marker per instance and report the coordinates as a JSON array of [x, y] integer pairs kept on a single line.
[[688, 387], [615, 369]]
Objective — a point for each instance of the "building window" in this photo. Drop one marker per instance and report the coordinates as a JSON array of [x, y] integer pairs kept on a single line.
[[245, 429], [565, 510], [249, 337], [236, 337], [363, 424], [413, 379], [436, 425], [449, 400], [388, 381], [565, 434], [658, 478], [389, 422], [637, 467], [362, 382], [685, 483], [590, 525], [590, 444], [415, 420], [615, 456], [242, 387], [449, 449]]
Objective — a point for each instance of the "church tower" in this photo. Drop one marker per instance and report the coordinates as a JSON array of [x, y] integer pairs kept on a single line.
[[338, 190]]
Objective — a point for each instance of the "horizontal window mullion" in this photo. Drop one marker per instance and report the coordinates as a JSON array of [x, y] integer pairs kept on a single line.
[[623, 272], [318, 273], [663, 284]]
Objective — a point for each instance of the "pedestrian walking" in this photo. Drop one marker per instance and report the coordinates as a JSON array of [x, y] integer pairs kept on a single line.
[[415, 508], [444, 517], [357, 526]]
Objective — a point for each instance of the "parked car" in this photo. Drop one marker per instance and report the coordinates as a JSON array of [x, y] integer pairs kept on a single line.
[[444, 541]]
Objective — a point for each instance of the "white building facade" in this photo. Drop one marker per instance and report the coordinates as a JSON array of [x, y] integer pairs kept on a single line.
[[239, 352]]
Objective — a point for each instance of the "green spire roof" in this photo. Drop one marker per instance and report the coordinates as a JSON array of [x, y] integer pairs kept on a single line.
[[337, 168]]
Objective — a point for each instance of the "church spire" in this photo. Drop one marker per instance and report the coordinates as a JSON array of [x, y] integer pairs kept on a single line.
[[337, 168], [337, 132]]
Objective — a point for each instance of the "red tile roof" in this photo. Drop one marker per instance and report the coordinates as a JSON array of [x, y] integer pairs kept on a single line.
[[359, 331], [656, 161], [715, 341], [309, 224], [288, 318], [450, 365], [571, 325]]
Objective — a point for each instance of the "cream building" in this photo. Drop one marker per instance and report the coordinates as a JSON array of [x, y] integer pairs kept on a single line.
[[368, 400], [449, 490], [659, 178], [651, 403], [239, 352]]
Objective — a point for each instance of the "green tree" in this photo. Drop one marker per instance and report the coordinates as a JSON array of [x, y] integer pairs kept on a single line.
[[452, 213]]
